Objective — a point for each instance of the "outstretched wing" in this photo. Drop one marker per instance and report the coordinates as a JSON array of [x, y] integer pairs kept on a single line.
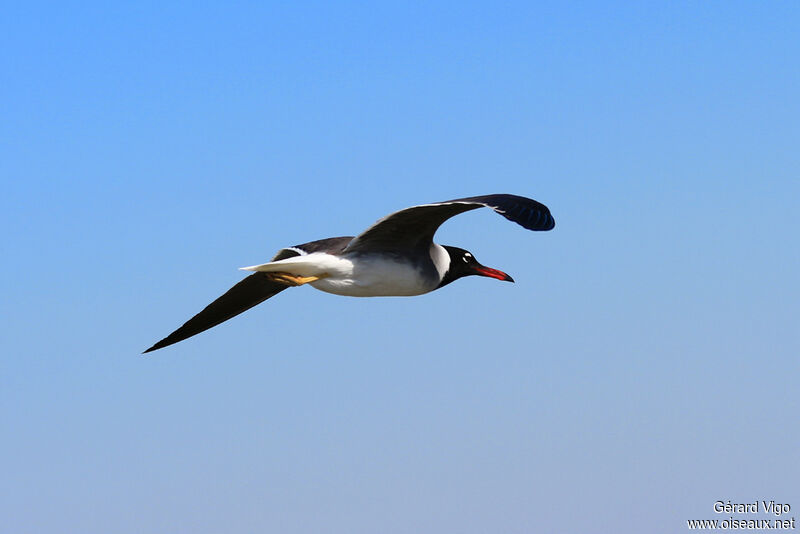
[[251, 291], [414, 227]]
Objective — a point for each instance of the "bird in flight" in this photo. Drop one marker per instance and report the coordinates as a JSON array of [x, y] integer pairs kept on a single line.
[[396, 256]]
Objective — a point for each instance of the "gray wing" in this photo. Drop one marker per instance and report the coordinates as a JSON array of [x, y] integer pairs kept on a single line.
[[414, 227], [251, 291]]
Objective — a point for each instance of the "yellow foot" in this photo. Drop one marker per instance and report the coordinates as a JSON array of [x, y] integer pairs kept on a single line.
[[291, 279]]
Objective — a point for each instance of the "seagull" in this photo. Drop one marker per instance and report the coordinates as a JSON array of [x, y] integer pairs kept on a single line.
[[396, 256]]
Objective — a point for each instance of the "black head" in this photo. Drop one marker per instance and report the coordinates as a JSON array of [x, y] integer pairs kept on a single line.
[[463, 263]]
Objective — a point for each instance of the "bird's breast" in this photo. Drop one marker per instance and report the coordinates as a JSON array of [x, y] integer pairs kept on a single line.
[[380, 275]]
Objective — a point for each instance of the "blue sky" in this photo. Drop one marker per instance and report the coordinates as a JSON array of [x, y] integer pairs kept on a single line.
[[643, 366]]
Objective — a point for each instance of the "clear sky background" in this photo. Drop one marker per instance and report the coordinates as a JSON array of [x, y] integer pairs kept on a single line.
[[644, 365]]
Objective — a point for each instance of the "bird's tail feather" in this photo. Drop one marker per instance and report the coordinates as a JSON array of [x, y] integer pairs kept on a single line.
[[305, 265]]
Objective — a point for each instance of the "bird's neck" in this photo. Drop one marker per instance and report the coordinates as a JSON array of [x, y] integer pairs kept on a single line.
[[441, 260]]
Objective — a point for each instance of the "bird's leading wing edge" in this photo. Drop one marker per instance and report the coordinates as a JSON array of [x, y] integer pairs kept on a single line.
[[414, 227], [251, 291]]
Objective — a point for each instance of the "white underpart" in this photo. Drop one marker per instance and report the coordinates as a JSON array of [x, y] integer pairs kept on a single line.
[[441, 259], [361, 275]]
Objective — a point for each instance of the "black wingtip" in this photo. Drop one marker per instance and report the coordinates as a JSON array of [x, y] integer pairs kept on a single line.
[[253, 290], [166, 342], [526, 212]]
